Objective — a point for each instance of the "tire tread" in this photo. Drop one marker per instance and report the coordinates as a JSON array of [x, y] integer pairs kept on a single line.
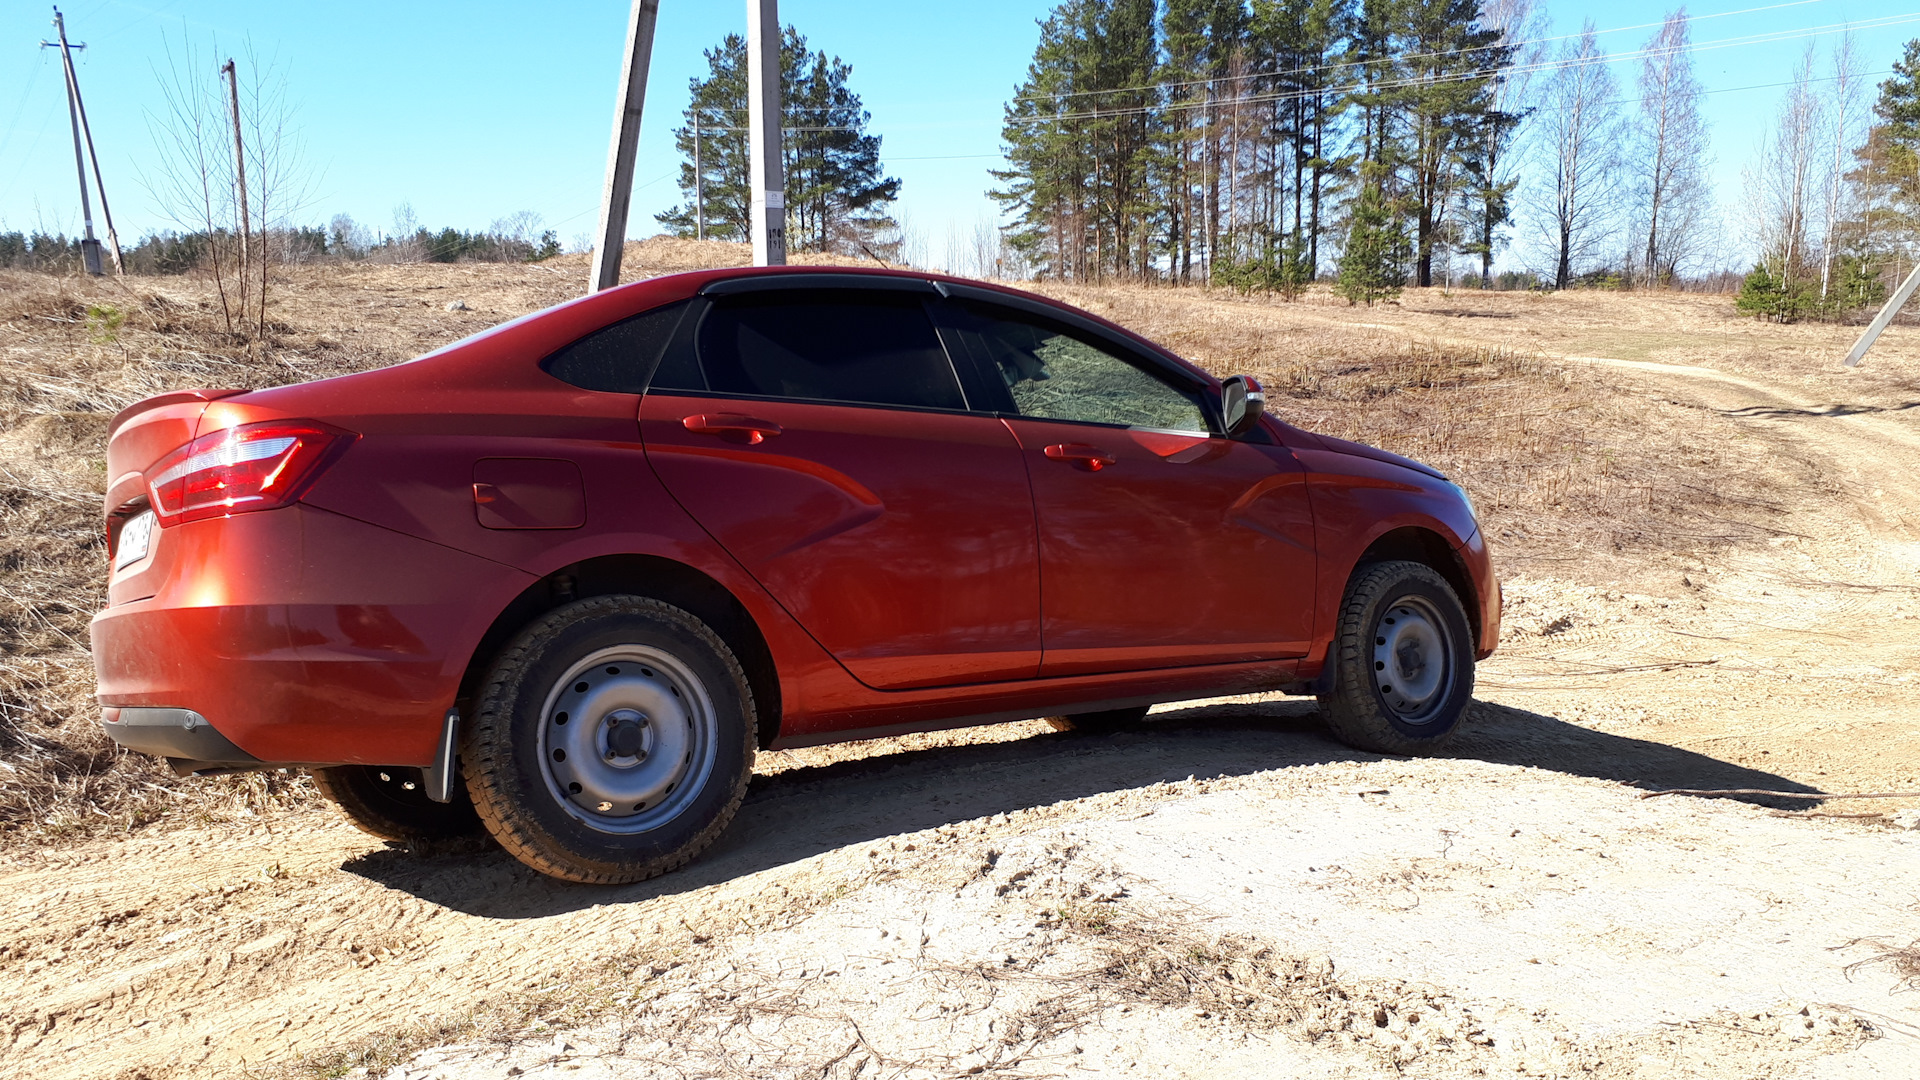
[[482, 744]]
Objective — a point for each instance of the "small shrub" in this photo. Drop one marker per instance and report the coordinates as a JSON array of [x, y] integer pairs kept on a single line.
[[104, 322]]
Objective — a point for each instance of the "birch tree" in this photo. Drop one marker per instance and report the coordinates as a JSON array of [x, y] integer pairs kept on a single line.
[[1671, 156], [1579, 132], [1842, 136]]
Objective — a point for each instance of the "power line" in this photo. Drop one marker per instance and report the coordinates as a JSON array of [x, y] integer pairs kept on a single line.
[[1410, 56], [1470, 76], [26, 95], [1616, 101]]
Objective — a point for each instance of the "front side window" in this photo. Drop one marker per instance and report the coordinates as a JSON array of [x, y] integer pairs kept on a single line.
[[828, 345], [1054, 375]]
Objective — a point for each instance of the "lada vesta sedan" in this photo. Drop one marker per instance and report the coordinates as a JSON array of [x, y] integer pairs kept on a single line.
[[562, 579]]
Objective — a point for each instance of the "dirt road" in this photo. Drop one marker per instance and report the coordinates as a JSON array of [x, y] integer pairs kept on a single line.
[[1228, 891]]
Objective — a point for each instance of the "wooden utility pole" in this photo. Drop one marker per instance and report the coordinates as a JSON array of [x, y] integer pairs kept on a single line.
[[77, 116], [240, 183], [617, 195], [765, 169], [1880, 322], [699, 183]]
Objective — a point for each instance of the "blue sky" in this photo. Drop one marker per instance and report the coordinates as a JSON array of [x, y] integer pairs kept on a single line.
[[475, 110]]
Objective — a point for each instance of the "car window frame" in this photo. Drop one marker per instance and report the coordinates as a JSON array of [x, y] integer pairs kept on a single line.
[[687, 336], [953, 319]]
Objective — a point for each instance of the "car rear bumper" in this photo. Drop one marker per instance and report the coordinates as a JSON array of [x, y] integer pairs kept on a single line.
[[184, 737], [295, 636]]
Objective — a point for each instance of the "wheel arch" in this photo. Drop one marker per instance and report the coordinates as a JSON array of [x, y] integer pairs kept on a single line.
[[1414, 543], [654, 576]]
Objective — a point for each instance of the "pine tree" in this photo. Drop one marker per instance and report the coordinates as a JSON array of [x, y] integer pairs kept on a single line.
[[1374, 264], [836, 193], [1889, 173], [1079, 138], [1450, 61]]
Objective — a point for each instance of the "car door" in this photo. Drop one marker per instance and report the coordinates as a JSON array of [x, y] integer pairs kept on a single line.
[[1162, 543], [822, 437]]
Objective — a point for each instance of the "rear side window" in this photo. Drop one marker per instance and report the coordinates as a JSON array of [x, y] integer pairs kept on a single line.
[[620, 358], [864, 348]]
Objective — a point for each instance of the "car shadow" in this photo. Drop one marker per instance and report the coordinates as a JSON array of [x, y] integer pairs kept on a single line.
[[1766, 412], [802, 812]]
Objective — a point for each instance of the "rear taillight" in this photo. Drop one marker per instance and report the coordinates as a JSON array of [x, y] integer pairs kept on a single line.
[[251, 467]]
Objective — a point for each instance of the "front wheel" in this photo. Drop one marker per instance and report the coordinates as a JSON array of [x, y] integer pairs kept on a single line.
[[1402, 661], [612, 741]]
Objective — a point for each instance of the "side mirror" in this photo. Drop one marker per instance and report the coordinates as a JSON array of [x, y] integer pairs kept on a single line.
[[1241, 403]]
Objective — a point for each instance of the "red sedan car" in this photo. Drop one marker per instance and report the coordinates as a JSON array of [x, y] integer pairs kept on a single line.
[[564, 578]]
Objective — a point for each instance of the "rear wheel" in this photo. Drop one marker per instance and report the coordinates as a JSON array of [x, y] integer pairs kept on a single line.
[[1402, 661], [1109, 722], [612, 741], [391, 803]]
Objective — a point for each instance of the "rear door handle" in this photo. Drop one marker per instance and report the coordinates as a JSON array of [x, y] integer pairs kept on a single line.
[[733, 427], [1090, 458]]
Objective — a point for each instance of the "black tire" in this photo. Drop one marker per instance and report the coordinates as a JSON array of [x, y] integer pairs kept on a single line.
[[1109, 722], [391, 803], [611, 742], [1402, 661]]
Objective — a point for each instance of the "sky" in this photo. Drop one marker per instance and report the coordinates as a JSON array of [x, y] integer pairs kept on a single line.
[[473, 111]]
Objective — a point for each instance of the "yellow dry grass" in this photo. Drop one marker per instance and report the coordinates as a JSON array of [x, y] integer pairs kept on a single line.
[[1571, 476]]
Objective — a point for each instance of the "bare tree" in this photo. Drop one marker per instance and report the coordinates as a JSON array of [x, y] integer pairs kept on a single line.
[[196, 178], [1782, 180], [1844, 134], [278, 176], [1491, 163], [191, 182], [1580, 134], [1671, 159]]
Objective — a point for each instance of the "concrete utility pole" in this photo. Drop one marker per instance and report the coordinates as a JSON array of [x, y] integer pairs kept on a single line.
[[77, 115], [699, 183], [1880, 322], [617, 195], [766, 170], [240, 175]]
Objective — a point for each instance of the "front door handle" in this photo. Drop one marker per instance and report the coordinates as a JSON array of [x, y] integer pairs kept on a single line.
[[733, 427], [1090, 458]]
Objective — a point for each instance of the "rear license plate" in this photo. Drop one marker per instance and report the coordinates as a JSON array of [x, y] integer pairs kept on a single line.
[[136, 536]]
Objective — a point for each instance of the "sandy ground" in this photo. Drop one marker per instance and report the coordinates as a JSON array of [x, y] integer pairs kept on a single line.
[[1227, 892]]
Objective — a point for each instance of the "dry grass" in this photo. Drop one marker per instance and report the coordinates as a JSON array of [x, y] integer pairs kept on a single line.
[[1903, 961], [1565, 467]]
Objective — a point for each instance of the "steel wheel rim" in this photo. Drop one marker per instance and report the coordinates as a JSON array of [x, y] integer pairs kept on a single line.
[[628, 738], [1413, 660]]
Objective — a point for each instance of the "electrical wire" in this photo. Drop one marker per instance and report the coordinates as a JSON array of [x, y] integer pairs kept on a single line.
[[1691, 19], [1469, 76], [1717, 43], [26, 95]]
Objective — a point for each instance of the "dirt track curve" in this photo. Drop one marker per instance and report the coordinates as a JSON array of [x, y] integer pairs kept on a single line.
[[1227, 890]]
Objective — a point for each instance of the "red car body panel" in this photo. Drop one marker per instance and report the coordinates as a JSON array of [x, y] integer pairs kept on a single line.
[[905, 569], [1143, 561], [903, 540]]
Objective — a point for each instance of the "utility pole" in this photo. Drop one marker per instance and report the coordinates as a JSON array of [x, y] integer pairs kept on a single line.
[[1880, 322], [617, 194], [699, 183], [765, 169], [240, 173], [77, 116]]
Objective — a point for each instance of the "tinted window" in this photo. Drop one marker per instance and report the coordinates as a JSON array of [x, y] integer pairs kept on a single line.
[[1054, 375], [618, 358], [872, 348]]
